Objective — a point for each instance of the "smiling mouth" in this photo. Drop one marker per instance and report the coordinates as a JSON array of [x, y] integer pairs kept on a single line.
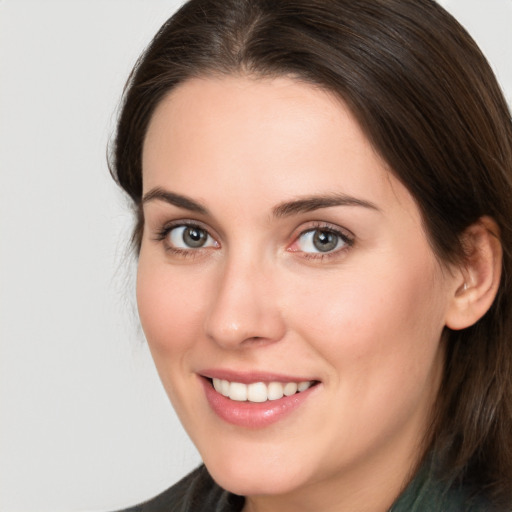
[[258, 392], [260, 400]]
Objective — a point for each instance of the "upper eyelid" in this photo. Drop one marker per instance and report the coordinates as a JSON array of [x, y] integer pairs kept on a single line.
[[327, 226], [167, 226], [215, 232], [346, 235], [161, 232]]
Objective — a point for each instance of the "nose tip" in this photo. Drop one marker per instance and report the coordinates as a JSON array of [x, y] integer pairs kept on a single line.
[[236, 334], [244, 311]]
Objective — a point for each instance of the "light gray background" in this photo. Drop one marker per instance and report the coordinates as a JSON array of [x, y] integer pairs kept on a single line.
[[84, 423]]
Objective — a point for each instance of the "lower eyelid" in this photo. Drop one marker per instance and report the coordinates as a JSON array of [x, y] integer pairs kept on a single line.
[[321, 256]]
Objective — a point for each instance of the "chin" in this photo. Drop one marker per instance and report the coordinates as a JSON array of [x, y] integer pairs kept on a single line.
[[251, 478]]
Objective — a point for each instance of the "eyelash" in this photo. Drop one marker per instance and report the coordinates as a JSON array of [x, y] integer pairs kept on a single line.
[[163, 233], [346, 237]]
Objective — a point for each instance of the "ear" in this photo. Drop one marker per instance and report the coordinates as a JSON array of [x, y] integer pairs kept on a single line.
[[477, 279]]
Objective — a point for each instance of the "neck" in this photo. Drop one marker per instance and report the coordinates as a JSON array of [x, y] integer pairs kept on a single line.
[[359, 491]]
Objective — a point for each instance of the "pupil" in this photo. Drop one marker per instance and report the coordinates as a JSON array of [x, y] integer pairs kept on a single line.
[[194, 237], [325, 241]]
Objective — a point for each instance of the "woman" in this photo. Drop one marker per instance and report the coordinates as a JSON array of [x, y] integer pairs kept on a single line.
[[323, 193]]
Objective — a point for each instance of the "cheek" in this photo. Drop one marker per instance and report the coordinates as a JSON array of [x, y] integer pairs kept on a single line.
[[368, 316], [169, 308], [379, 334]]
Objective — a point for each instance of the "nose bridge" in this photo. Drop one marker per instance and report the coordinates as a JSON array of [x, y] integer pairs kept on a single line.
[[244, 307]]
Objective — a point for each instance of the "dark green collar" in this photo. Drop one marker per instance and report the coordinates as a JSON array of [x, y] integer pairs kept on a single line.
[[427, 494]]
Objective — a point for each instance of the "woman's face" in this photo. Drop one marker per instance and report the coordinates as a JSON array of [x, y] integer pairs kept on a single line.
[[279, 250]]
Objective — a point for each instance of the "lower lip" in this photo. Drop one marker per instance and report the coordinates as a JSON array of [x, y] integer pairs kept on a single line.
[[251, 414]]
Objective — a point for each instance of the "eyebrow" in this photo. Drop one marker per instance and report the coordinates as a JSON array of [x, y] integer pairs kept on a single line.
[[317, 202], [286, 209], [159, 194]]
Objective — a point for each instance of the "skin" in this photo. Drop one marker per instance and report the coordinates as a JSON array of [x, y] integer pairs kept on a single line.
[[366, 319]]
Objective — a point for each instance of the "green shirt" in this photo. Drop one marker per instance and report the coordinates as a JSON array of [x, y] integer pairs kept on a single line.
[[425, 494]]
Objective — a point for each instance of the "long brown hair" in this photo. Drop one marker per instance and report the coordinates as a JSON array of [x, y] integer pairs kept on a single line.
[[428, 101]]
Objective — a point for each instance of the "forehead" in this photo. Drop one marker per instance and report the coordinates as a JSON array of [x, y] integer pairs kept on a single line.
[[278, 138]]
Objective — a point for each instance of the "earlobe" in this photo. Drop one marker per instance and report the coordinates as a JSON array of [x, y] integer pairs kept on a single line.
[[478, 277]]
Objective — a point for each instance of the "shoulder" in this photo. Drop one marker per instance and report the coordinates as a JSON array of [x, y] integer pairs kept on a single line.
[[197, 492]]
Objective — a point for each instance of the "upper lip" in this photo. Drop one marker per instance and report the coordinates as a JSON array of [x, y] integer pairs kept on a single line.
[[250, 377]]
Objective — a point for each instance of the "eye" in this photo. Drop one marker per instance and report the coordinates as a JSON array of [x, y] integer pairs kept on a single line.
[[189, 237], [321, 240]]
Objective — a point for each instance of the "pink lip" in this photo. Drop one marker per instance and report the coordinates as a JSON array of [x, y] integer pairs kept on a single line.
[[249, 414], [250, 377]]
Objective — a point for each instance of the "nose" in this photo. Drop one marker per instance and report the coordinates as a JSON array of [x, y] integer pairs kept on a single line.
[[244, 309]]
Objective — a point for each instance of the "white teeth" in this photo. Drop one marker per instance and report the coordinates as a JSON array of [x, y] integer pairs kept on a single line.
[[303, 386], [258, 391], [221, 386], [290, 388], [217, 385], [224, 387], [275, 391], [238, 391]]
